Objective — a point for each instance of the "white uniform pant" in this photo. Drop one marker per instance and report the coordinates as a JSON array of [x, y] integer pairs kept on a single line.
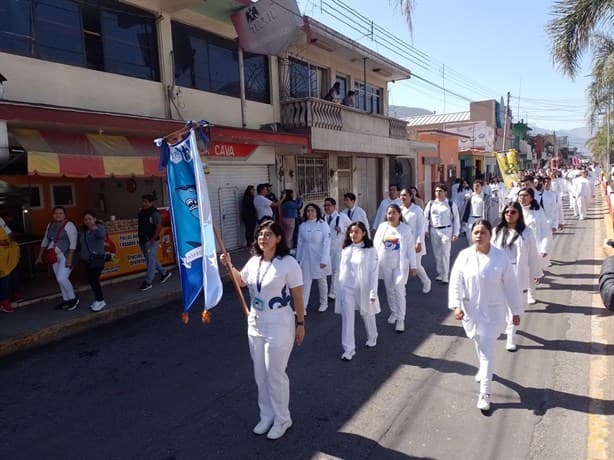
[[349, 306], [572, 203], [420, 271], [581, 206], [395, 292], [441, 241], [485, 350], [322, 287], [62, 275], [270, 357]]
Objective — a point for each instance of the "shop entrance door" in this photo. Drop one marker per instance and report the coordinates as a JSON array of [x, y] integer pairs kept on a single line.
[[228, 199], [344, 179]]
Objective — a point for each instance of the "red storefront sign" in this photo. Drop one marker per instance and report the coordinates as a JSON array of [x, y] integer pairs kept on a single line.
[[225, 149]]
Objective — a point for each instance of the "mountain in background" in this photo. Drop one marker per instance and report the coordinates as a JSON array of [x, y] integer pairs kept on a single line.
[[400, 111]]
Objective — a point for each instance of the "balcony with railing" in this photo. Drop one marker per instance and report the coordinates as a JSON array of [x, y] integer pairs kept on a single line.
[[317, 113]]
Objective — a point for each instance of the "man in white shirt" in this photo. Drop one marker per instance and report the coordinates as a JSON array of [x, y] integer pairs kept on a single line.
[[380, 216], [338, 223], [264, 206], [582, 193], [477, 208], [442, 226], [354, 212]]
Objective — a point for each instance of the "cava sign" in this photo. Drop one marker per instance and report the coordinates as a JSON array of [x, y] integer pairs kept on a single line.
[[267, 26], [217, 149]]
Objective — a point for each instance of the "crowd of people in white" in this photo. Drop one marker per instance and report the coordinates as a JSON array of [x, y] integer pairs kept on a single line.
[[510, 235]]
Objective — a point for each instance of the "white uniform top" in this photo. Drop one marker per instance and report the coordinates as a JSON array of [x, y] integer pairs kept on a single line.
[[357, 214], [414, 217], [484, 286], [581, 187], [549, 201], [263, 206], [396, 247], [4, 226], [270, 306], [338, 223], [313, 248], [358, 270], [522, 254], [478, 209], [438, 214], [536, 220], [380, 216]]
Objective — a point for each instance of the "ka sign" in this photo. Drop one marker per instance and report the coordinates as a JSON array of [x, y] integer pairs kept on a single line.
[[267, 26]]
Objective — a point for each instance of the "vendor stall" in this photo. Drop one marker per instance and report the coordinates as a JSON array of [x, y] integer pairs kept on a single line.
[[122, 244]]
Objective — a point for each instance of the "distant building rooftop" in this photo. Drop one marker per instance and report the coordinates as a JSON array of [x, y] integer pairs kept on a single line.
[[427, 120]]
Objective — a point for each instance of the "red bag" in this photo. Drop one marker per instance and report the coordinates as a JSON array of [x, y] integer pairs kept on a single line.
[[49, 255]]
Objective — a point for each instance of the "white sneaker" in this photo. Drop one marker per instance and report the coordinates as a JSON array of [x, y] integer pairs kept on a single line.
[[98, 305], [348, 355], [400, 325], [484, 402], [277, 431], [323, 307], [426, 287], [371, 343], [392, 318], [332, 296], [438, 278], [262, 427], [531, 300], [479, 376], [509, 343]]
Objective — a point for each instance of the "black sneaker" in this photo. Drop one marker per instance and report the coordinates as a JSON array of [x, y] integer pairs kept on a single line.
[[72, 304], [164, 278], [144, 286], [62, 305]]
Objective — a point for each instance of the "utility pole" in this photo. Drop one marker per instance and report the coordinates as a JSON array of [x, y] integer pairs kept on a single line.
[[505, 122]]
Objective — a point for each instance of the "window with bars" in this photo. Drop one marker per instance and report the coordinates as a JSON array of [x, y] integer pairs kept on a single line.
[[312, 174]]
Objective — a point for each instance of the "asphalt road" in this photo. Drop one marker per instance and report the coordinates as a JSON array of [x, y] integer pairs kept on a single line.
[[149, 387]]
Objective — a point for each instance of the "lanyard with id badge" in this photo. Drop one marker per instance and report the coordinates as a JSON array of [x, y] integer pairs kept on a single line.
[[257, 302]]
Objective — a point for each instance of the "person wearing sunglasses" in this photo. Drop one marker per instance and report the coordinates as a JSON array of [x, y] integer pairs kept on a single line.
[[535, 218], [518, 242]]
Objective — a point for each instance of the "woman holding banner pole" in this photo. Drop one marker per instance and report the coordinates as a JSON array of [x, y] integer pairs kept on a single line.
[[274, 278]]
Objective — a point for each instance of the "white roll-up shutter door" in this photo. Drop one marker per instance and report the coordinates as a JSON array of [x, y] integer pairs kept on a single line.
[[227, 183]]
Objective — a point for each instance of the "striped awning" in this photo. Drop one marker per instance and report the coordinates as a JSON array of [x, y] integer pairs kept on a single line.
[[55, 153]]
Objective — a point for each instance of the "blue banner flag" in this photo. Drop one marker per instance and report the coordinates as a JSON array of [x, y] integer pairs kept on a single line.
[[191, 220]]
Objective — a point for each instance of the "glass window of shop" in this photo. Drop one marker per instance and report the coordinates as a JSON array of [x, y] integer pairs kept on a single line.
[[373, 102], [211, 63], [305, 79], [106, 35]]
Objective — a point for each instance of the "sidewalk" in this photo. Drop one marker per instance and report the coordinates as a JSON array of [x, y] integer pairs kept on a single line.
[[38, 323]]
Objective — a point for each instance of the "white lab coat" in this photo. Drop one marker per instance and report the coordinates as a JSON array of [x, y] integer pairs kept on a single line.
[[363, 278], [407, 249], [414, 217], [313, 248], [358, 215], [523, 256], [537, 221], [337, 237], [380, 216], [484, 289]]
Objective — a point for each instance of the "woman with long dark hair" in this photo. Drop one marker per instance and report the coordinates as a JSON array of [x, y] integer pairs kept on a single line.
[[483, 288], [518, 242], [313, 253], [357, 288], [535, 218], [248, 214], [274, 279], [92, 254], [396, 254]]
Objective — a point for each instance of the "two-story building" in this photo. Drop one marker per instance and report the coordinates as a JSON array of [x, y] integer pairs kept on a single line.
[[89, 86]]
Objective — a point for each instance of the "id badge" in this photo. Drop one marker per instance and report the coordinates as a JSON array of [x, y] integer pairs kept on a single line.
[[258, 303]]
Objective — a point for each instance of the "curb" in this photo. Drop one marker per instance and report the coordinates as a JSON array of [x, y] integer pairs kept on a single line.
[[76, 326]]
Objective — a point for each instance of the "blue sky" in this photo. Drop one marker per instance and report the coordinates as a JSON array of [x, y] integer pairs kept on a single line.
[[486, 48]]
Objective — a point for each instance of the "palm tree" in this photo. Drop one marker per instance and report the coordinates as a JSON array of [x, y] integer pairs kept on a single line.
[[407, 9], [601, 89], [571, 30]]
